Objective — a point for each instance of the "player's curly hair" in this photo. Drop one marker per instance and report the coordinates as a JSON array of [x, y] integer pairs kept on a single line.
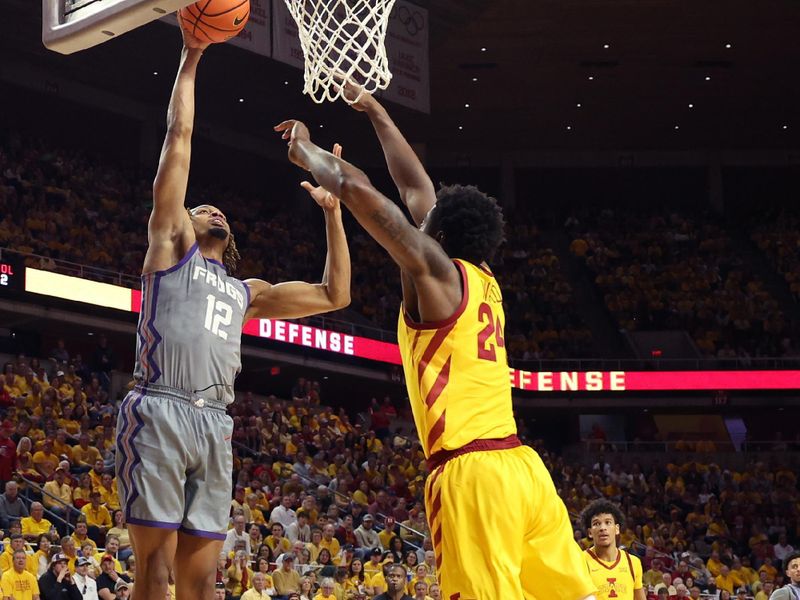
[[231, 256], [601, 506], [471, 222]]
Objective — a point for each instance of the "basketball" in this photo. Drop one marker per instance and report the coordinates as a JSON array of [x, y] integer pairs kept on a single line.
[[215, 21]]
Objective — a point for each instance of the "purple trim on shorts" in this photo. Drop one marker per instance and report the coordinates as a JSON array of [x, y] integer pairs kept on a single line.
[[123, 463], [158, 524], [203, 534], [153, 366], [136, 457]]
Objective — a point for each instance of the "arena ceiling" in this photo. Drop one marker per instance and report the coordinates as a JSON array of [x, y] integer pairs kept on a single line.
[[556, 74]]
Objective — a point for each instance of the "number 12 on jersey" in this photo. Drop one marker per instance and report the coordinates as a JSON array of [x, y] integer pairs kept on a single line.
[[218, 314], [493, 329]]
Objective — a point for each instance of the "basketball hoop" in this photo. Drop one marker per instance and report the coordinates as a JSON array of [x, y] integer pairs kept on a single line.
[[342, 41]]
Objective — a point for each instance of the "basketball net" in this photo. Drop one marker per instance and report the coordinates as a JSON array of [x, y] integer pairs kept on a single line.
[[342, 41]]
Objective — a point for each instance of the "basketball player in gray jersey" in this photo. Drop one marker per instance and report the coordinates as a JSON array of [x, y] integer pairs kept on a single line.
[[174, 459]]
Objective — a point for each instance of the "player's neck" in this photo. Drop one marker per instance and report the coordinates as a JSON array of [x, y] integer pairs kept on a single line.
[[607, 554], [212, 248]]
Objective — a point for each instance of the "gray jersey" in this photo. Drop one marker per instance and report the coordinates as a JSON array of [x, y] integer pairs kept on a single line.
[[190, 328]]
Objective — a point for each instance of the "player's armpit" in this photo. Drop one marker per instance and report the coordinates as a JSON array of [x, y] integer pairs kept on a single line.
[[291, 299]]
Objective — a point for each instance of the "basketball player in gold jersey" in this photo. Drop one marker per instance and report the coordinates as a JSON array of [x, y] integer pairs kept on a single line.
[[615, 572], [499, 529]]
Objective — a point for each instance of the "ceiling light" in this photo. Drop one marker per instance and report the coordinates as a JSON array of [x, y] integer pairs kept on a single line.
[[677, 127], [474, 79], [155, 72], [708, 77], [321, 126], [728, 46], [591, 77], [606, 46], [569, 127], [578, 105], [241, 99], [460, 128], [285, 83], [466, 105], [483, 49], [785, 127], [691, 105]]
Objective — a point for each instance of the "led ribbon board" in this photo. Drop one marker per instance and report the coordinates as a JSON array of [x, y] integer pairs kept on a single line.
[[324, 340]]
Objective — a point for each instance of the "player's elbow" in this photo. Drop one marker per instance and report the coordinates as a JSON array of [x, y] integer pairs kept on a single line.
[[354, 185], [179, 131], [339, 299]]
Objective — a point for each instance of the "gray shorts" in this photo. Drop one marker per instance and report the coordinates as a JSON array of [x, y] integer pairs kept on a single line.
[[174, 461]]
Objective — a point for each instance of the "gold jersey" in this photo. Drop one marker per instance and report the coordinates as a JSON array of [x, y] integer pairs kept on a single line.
[[457, 370], [615, 580]]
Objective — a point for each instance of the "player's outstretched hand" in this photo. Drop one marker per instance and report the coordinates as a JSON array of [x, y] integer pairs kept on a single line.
[[295, 131], [320, 195], [354, 91], [191, 41]]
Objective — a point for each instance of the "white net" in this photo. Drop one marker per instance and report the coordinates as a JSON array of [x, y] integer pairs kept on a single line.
[[342, 40]]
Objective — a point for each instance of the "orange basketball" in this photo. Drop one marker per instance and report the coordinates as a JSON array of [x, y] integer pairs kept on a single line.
[[215, 20]]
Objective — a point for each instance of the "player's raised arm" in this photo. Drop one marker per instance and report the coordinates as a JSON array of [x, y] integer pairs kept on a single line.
[[416, 188], [169, 221], [417, 254], [293, 299]]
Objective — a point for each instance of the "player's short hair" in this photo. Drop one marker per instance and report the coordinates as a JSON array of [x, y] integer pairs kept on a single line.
[[601, 506], [471, 221], [789, 559]]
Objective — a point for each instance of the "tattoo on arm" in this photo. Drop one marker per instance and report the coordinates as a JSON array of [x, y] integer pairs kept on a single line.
[[388, 221]]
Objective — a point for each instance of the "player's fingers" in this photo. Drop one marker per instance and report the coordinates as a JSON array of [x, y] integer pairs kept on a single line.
[[288, 124], [337, 150], [307, 186]]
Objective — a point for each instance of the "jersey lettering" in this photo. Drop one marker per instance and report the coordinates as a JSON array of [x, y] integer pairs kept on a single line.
[[218, 314]]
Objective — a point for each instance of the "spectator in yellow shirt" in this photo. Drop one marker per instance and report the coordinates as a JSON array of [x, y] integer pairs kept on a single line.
[[36, 524], [108, 492], [326, 590], [82, 493], [58, 489], [767, 568], [45, 460], [96, 474], [7, 557], [328, 541], [765, 592], [84, 455], [277, 542], [98, 519], [81, 534], [725, 580], [60, 445], [19, 583], [714, 565]]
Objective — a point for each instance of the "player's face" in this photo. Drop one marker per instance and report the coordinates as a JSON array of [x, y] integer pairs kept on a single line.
[[395, 580], [604, 530], [793, 570], [209, 219]]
